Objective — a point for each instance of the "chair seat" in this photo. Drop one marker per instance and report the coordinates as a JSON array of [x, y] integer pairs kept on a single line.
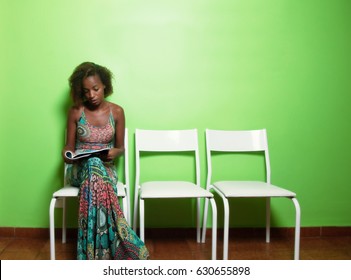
[[121, 191], [71, 191], [67, 191], [172, 189], [251, 189]]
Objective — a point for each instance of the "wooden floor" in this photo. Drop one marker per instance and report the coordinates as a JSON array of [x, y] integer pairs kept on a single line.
[[177, 247]]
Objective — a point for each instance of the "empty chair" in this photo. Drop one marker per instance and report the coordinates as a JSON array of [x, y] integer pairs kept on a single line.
[[59, 199], [170, 141], [245, 141]]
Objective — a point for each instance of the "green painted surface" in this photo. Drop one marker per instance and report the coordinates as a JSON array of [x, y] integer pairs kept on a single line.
[[283, 65]]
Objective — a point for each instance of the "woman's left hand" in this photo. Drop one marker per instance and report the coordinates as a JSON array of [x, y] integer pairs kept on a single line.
[[113, 153]]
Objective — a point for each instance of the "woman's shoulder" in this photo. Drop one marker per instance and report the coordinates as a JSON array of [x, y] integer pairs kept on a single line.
[[117, 112], [116, 109], [75, 111]]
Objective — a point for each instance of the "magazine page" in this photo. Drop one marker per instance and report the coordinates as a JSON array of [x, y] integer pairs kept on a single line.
[[79, 154]]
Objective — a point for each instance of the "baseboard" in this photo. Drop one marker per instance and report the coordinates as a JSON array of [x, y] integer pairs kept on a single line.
[[18, 232]]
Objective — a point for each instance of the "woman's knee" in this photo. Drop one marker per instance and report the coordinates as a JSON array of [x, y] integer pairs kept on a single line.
[[94, 161]]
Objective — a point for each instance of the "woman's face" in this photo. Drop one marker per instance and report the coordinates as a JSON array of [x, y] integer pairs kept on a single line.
[[94, 90]]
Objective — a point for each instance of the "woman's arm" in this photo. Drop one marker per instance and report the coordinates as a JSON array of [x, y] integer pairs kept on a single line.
[[118, 114], [70, 132]]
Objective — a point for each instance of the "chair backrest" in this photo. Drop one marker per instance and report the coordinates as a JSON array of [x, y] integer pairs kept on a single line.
[[166, 141], [237, 141], [126, 161]]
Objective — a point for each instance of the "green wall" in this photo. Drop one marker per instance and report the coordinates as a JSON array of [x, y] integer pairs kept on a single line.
[[283, 65]]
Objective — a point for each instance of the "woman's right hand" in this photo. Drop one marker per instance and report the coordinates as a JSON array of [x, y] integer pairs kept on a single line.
[[65, 159]]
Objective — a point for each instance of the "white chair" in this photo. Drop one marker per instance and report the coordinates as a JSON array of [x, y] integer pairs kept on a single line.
[[59, 199], [170, 141], [245, 141]]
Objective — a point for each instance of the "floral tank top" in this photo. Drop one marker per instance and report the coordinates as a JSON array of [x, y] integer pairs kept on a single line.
[[91, 137]]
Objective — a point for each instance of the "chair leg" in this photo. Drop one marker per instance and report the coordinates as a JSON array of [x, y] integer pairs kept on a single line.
[[142, 220], [198, 222], [226, 225], [52, 228], [297, 229], [64, 226], [214, 228], [225, 228], [128, 206], [268, 219], [135, 218], [204, 224], [125, 209]]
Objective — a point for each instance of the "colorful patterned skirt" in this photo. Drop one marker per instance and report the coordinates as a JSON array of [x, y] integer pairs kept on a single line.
[[103, 232]]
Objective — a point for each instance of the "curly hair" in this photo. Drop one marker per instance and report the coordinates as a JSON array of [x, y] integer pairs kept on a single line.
[[84, 70]]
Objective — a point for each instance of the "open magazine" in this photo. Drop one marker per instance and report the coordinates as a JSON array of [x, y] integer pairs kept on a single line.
[[79, 154]]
